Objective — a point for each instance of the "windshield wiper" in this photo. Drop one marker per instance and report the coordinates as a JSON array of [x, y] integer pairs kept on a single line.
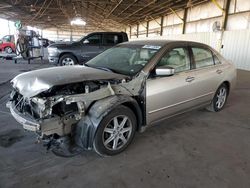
[[102, 68], [105, 69]]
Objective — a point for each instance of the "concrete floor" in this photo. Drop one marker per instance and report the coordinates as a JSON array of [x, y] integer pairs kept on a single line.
[[198, 149]]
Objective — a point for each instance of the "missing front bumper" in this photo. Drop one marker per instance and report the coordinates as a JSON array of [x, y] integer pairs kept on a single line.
[[60, 126], [27, 121]]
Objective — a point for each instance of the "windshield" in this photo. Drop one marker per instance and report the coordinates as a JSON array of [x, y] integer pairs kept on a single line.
[[127, 60]]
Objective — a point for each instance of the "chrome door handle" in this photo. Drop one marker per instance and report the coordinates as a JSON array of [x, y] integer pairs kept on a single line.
[[190, 79], [219, 71]]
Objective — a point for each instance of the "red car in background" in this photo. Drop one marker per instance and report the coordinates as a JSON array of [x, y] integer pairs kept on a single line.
[[7, 44]]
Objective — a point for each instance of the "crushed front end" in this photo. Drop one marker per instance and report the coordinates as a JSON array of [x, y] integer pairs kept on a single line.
[[66, 116], [53, 114], [51, 118]]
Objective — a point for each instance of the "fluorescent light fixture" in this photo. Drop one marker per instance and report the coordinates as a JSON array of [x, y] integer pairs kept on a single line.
[[78, 21]]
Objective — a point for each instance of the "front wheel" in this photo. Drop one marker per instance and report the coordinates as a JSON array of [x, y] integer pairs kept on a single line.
[[67, 60], [115, 131], [220, 99]]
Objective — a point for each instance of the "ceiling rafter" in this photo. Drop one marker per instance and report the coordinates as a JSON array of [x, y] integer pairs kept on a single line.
[[100, 15]]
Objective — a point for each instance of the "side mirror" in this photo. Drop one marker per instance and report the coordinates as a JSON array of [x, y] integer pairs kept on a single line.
[[164, 71], [1, 42], [86, 41]]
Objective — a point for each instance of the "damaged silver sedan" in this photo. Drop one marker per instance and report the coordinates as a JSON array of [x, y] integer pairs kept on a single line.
[[102, 104]]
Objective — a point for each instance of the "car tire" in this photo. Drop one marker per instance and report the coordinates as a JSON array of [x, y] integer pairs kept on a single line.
[[8, 50], [115, 132], [220, 99], [67, 60]]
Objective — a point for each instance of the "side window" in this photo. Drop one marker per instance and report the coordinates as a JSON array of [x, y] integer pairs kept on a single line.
[[111, 39], [202, 57], [94, 39], [177, 58]]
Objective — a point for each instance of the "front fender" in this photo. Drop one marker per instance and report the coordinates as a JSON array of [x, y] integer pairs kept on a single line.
[[87, 126]]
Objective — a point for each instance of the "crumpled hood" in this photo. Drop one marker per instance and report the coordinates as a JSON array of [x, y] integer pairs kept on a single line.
[[32, 83]]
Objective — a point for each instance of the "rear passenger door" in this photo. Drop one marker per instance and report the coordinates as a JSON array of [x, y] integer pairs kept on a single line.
[[208, 73]]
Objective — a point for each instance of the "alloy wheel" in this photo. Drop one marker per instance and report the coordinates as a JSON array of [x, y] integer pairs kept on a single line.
[[221, 97], [117, 132]]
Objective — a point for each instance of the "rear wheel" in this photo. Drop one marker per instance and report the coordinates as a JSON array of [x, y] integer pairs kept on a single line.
[[67, 60], [115, 131], [8, 50], [220, 99]]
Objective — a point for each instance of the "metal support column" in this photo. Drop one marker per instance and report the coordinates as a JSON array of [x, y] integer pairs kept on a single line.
[[71, 35], [225, 14], [162, 21], [57, 36], [184, 21], [137, 30], [225, 11], [130, 31], [147, 27]]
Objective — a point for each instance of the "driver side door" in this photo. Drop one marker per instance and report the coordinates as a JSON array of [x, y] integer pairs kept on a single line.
[[169, 95]]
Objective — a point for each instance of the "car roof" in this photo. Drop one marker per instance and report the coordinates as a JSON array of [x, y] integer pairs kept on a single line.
[[160, 42]]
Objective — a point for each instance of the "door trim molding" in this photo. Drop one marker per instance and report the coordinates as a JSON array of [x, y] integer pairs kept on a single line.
[[176, 104]]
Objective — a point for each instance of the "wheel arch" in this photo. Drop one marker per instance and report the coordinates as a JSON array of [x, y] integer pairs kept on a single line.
[[7, 47], [133, 105], [227, 83], [86, 128], [211, 106]]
